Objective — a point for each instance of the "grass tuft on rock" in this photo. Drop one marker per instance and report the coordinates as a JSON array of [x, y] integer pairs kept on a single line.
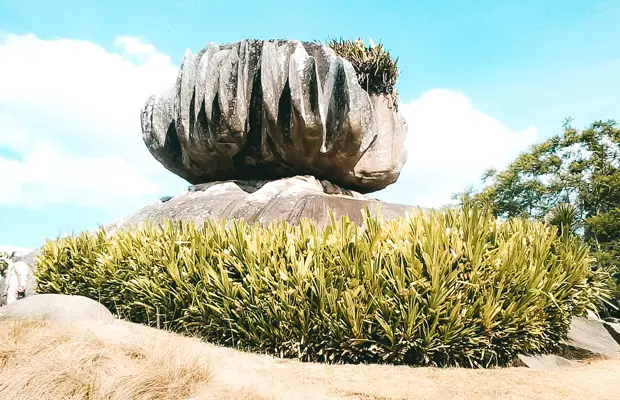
[[452, 288], [377, 72]]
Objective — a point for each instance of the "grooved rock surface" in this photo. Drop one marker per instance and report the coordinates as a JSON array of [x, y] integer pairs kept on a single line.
[[272, 109], [289, 199]]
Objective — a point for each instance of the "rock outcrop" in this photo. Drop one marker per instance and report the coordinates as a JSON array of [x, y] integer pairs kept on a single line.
[[591, 338], [57, 308], [272, 109], [288, 199], [544, 362], [588, 339]]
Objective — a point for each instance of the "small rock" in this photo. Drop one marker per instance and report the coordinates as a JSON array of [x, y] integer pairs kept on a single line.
[[613, 329], [545, 362]]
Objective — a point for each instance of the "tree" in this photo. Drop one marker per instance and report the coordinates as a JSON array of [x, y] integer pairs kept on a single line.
[[570, 180]]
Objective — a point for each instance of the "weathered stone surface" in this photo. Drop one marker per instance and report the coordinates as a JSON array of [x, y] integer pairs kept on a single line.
[[271, 109], [591, 337], [545, 362], [57, 308], [3, 284], [31, 281], [588, 338], [613, 329], [289, 199]]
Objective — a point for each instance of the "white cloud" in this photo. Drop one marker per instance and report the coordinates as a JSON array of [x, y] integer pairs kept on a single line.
[[70, 121], [8, 249], [70, 128], [134, 45], [12, 134], [48, 174], [450, 144]]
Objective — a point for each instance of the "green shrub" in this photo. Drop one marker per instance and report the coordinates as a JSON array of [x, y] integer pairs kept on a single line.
[[452, 288], [4, 263], [376, 70]]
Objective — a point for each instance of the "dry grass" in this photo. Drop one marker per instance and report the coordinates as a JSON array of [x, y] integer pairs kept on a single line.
[[40, 360], [119, 360]]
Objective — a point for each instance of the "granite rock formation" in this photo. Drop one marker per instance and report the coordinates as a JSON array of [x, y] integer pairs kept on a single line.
[[287, 199], [272, 109], [57, 308]]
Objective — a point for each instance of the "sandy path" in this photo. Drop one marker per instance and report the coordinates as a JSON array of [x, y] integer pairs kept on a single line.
[[267, 377]]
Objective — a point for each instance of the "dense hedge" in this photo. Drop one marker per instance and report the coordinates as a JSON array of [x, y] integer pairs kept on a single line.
[[451, 288]]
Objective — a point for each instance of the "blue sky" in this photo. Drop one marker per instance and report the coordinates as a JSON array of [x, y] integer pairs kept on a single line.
[[479, 82]]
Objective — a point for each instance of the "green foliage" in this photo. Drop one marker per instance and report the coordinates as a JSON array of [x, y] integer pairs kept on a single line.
[[4, 264], [565, 217], [604, 231], [377, 72], [451, 288], [574, 176]]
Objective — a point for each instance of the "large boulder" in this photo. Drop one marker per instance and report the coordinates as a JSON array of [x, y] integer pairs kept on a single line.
[[289, 199], [590, 338], [57, 308], [271, 109]]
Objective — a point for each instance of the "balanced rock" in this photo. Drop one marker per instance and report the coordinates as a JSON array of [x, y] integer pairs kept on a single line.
[[287, 199], [272, 109]]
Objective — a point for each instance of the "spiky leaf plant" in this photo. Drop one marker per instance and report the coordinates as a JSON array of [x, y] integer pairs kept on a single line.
[[377, 72], [449, 288], [565, 217]]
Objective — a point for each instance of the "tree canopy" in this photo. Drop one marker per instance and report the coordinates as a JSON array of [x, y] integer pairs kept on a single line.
[[571, 180]]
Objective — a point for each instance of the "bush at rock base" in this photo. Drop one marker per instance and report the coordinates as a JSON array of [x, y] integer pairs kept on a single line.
[[447, 288]]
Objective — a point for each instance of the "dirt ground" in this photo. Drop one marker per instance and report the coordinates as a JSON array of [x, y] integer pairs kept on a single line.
[[163, 358]]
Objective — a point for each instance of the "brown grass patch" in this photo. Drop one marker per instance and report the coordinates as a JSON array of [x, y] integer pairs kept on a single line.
[[120, 360], [41, 360]]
